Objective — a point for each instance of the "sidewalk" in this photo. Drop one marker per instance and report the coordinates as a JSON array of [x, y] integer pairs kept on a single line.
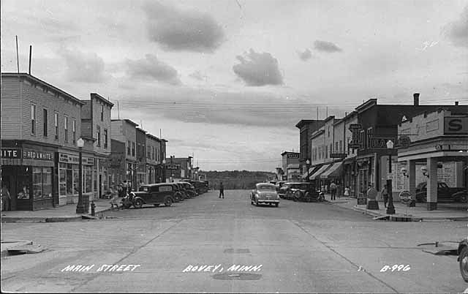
[[445, 211], [57, 214]]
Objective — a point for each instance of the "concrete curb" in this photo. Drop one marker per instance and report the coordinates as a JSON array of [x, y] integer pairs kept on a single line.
[[402, 217], [40, 219], [7, 245]]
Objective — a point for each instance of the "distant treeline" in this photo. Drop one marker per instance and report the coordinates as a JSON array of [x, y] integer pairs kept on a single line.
[[234, 180]]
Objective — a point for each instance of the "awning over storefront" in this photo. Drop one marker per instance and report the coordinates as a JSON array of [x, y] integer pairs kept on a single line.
[[333, 172], [320, 171], [293, 166], [310, 171]]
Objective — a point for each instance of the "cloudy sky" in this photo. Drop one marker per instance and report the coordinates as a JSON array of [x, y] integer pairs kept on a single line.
[[227, 80]]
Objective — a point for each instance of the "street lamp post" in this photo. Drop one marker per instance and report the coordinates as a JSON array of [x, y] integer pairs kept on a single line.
[[390, 207], [80, 206]]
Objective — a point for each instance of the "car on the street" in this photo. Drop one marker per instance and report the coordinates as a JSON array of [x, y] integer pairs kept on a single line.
[[178, 194], [463, 258], [444, 193], [264, 193], [189, 189], [152, 194], [302, 191]]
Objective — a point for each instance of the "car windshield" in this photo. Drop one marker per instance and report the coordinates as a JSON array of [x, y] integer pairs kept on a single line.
[[144, 189], [266, 188]]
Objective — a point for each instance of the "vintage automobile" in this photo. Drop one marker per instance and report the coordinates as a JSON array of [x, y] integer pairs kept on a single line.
[[178, 194], [264, 193], [301, 191], [189, 189], [463, 258], [444, 193], [153, 194]]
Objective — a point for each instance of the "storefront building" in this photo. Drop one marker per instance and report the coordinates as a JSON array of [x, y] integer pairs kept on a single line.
[[290, 166], [38, 121], [28, 171], [436, 151], [306, 129], [124, 130], [68, 176]]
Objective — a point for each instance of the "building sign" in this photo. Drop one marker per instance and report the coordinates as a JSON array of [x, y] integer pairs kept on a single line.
[[455, 125], [292, 155], [13, 153], [355, 142], [75, 159], [173, 166], [379, 142], [40, 155]]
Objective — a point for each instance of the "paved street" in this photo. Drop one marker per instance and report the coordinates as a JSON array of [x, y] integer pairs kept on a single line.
[[207, 244]]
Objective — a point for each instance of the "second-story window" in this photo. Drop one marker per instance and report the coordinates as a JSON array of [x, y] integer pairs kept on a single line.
[[56, 122], [65, 127], [148, 151], [102, 112], [33, 119], [74, 131], [128, 147], [133, 148], [98, 134], [106, 138], [46, 122]]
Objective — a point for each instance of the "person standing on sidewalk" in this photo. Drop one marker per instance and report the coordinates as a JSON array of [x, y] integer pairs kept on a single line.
[[385, 195], [333, 190], [6, 198], [221, 190]]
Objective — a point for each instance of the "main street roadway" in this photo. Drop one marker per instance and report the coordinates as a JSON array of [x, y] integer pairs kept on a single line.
[[207, 244]]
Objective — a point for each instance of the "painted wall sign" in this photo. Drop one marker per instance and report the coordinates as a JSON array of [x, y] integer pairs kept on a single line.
[[173, 166], [292, 155], [14, 153], [455, 125], [40, 155], [356, 141]]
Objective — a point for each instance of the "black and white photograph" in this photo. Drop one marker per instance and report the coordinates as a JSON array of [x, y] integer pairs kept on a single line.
[[234, 146]]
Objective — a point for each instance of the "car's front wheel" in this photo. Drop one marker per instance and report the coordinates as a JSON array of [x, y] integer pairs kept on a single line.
[[463, 259], [138, 203], [168, 201]]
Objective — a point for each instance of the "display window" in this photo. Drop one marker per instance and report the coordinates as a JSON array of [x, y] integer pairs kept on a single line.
[[42, 182]]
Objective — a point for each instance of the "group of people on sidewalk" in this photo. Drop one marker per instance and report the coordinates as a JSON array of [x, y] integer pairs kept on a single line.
[[118, 192]]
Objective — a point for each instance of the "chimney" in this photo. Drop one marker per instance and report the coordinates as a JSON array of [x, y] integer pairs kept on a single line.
[[456, 103], [416, 99]]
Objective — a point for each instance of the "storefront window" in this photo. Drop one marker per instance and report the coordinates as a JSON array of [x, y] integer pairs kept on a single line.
[[88, 178], [23, 184], [37, 183], [42, 182], [63, 178], [47, 182]]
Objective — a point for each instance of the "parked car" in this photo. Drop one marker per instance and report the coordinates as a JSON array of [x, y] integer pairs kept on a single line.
[[189, 189], [154, 194], [179, 195], [302, 191], [463, 258], [264, 193], [444, 193]]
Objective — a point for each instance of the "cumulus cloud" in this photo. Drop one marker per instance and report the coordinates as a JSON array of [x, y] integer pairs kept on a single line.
[[326, 46], [258, 69], [457, 31], [151, 68], [305, 55], [83, 67], [179, 30]]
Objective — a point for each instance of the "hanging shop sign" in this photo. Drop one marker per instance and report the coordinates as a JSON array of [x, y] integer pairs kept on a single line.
[[355, 142]]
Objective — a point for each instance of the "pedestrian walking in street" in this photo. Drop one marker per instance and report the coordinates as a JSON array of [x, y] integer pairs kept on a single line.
[[114, 202], [6, 198], [333, 190], [221, 190], [385, 195]]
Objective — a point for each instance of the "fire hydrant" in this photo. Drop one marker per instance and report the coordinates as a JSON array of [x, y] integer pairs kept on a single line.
[[93, 208]]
